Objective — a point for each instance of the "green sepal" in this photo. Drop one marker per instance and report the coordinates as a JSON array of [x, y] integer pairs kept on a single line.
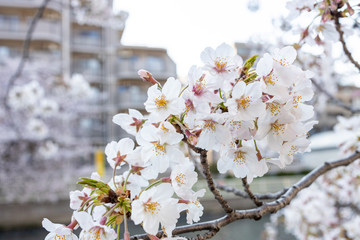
[[250, 77], [249, 63], [111, 219], [95, 184]]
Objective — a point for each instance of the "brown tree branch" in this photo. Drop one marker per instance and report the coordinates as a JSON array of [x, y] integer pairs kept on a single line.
[[342, 40], [250, 193], [259, 196], [205, 170], [208, 176], [215, 225], [24, 58]]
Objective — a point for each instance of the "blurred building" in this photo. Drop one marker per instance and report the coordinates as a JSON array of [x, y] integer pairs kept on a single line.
[[89, 48]]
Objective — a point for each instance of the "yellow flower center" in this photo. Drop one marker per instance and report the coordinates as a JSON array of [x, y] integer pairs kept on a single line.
[[161, 102], [164, 129], [271, 79], [57, 237], [278, 128], [220, 64], [196, 202], [180, 178], [235, 124], [292, 150], [296, 101], [209, 125], [239, 158], [159, 149], [243, 102], [283, 62], [96, 233], [152, 207], [274, 108]]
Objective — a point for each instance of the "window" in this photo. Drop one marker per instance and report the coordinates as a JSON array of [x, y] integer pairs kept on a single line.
[[9, 22], [129, 64], [87, 37], [88, 66], [155, 64]]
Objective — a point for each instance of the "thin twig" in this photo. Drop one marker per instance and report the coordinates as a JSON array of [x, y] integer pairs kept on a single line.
[[206, 172], [334, 99], [342, 40], [250, 193], [24, 58], [267, 207], [353, 207], [259, 196]]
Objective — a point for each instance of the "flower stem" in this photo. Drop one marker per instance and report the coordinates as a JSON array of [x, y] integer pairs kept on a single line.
[[183, 90], [86, 202], [127, 177], [113, 177]]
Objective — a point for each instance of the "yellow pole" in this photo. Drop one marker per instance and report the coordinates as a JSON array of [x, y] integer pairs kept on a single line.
[[100, 162]]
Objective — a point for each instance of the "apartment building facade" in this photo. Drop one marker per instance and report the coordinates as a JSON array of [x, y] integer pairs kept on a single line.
[[94, 50]]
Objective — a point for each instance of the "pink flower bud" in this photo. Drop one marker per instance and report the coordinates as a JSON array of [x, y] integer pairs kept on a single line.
[[192, 139], [103, 220], [166, 179], [152, 237], [146, 76], [126, 235]]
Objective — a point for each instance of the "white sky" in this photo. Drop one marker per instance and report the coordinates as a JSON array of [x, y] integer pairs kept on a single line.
[[186, 27]]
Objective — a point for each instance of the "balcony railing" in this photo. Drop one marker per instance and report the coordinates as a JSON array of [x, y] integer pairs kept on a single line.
[[131, 98], [44, 30], [55, 5]]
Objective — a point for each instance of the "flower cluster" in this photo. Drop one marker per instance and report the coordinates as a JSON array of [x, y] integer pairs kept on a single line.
[[252, 117], [329, 208], [319, 16], [39, 117]]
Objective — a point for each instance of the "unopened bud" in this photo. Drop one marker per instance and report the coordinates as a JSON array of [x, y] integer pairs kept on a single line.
[[350, 9], [152, 237], [126, 235], [146, 76], [166, 179], [192, 139], [103, 220]]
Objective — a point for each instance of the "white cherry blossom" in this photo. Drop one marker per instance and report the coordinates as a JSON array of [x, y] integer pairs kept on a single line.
[[92, 229], [156, 206], [183, 177], [58, 231], [131, 123], [117, 152], [162, 103], [246, 101], [243, 161]]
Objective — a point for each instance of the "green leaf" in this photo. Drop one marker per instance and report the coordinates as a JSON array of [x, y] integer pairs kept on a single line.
[[95, 184]]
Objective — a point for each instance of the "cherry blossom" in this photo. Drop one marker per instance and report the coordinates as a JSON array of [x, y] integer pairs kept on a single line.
[[58, 231], [117, 152], [93, 230], [131, 123], [155, 206], [161, 103]]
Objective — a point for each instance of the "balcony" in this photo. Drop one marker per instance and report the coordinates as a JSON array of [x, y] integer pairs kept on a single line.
[[130, 97], [45, 30], [160, 67], [55, 5], [87, 40]]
